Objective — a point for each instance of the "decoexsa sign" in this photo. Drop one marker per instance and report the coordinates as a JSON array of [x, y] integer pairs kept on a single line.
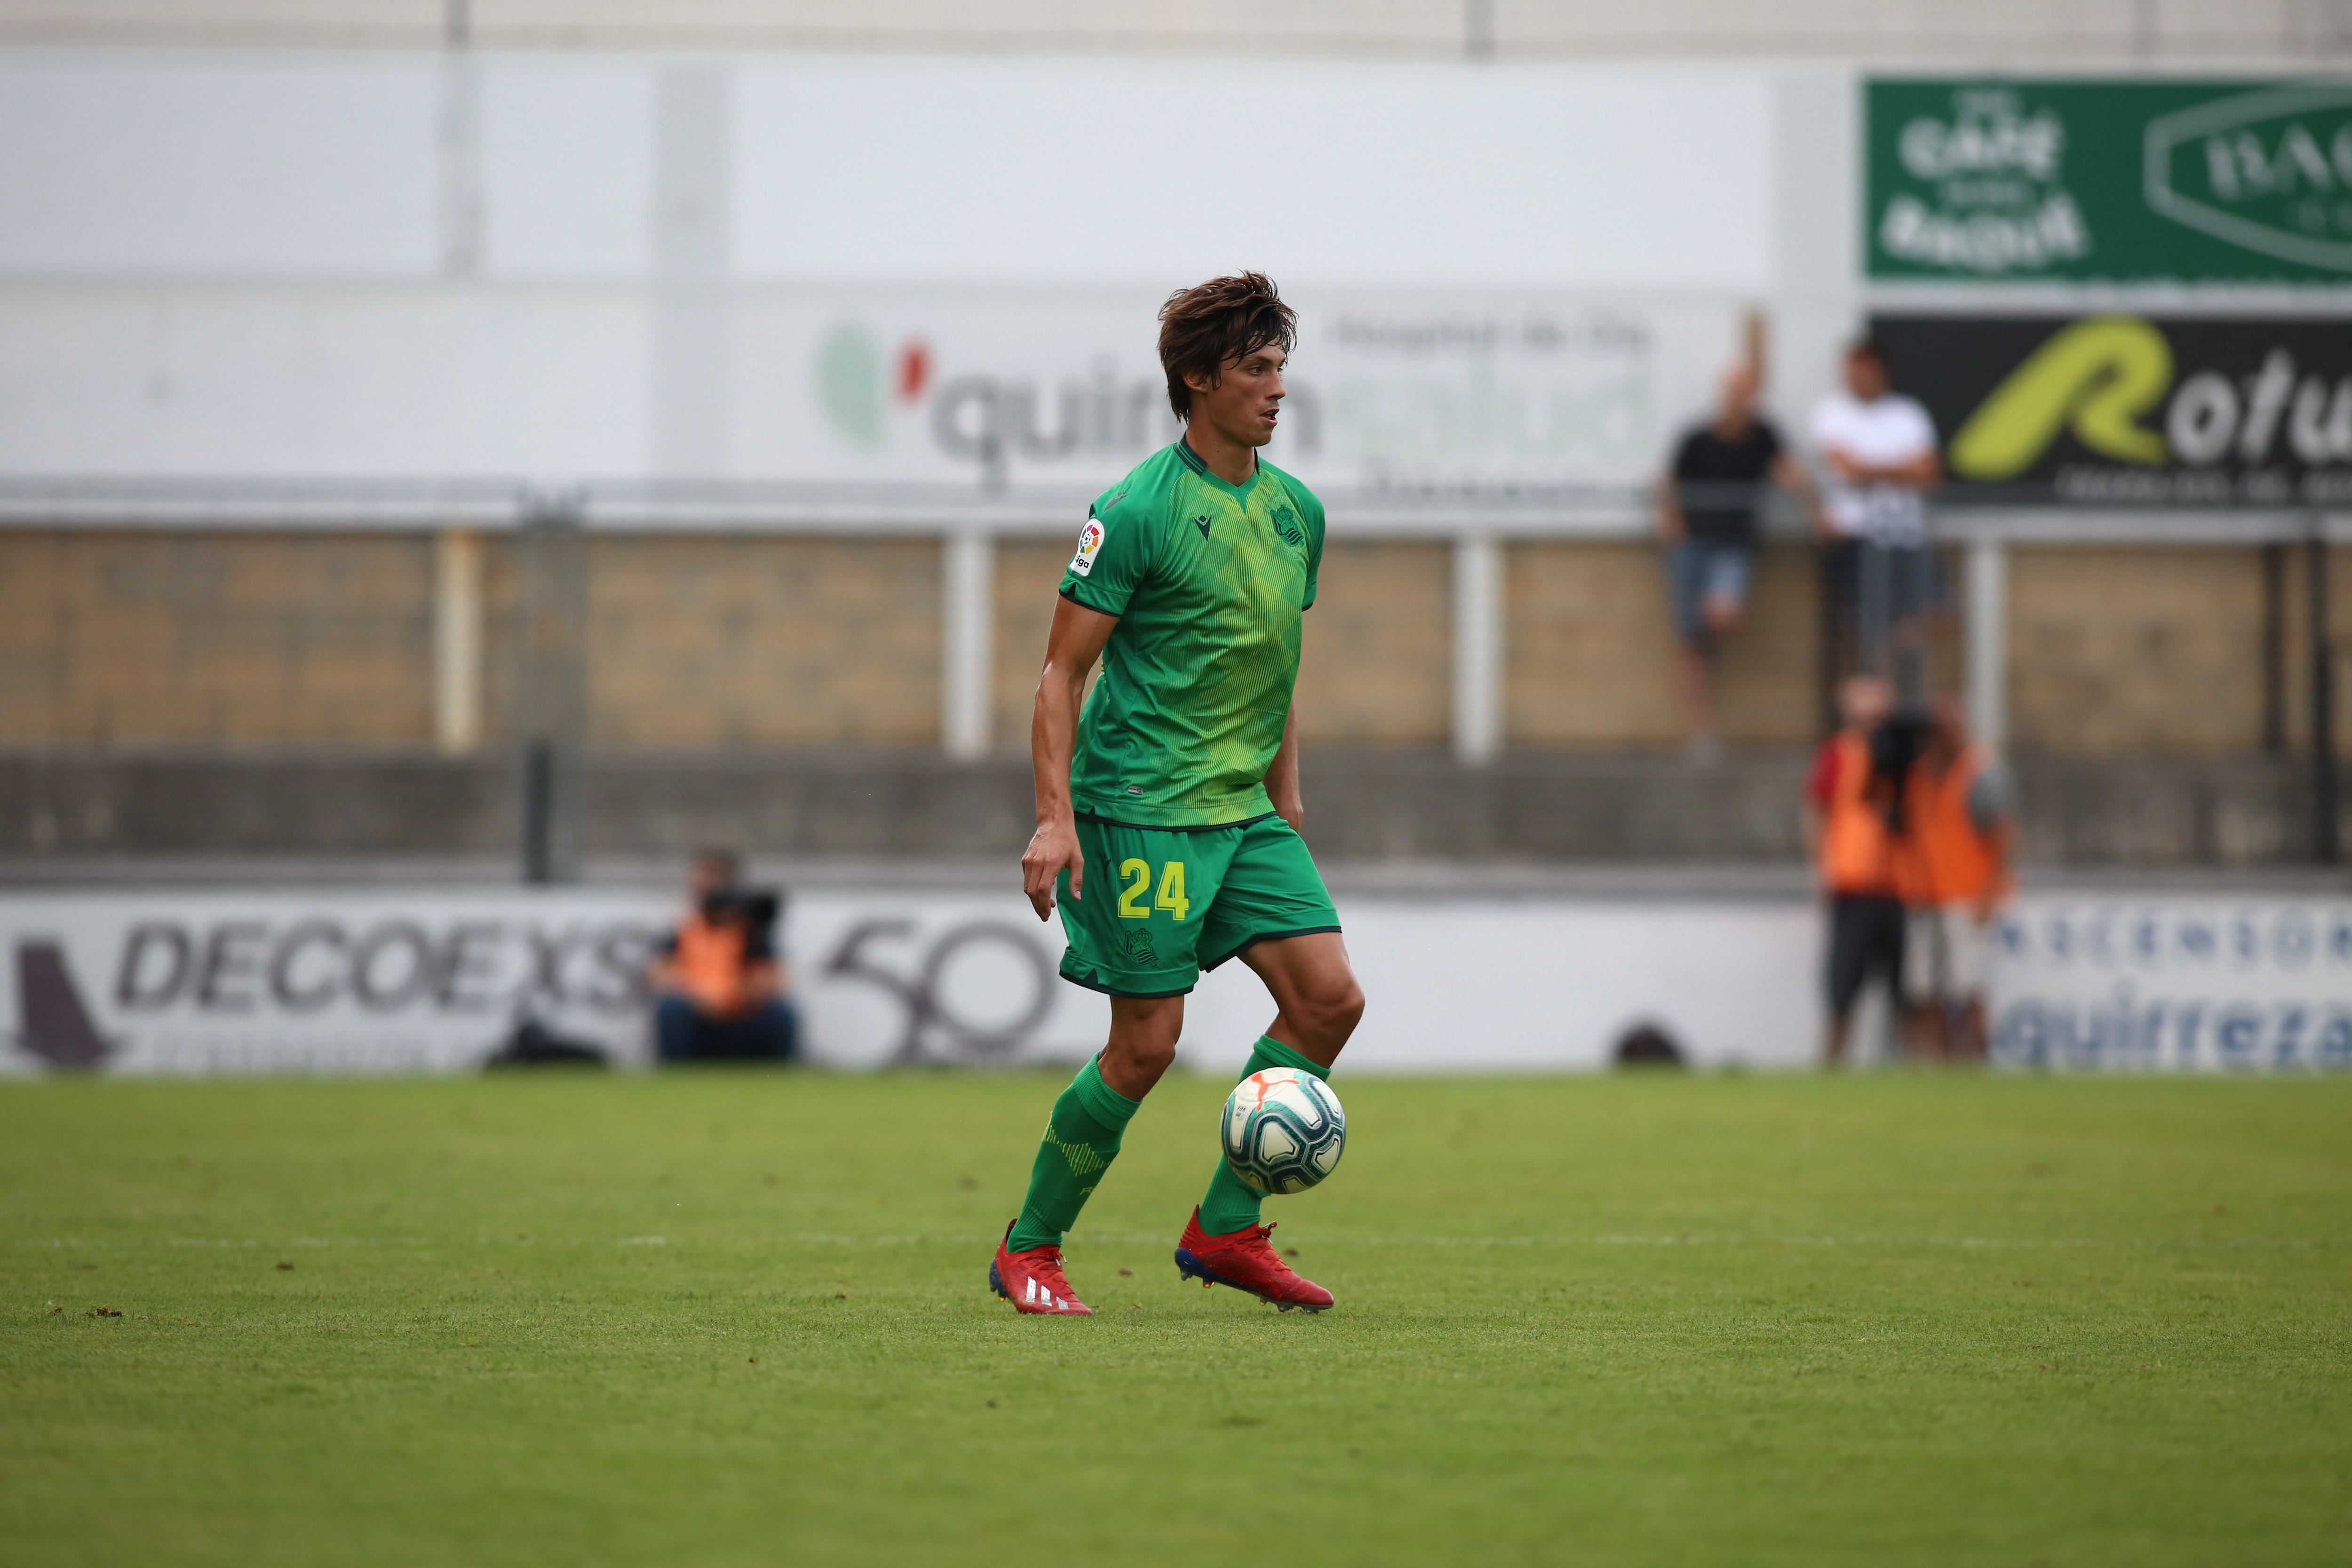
[[2133, 409]]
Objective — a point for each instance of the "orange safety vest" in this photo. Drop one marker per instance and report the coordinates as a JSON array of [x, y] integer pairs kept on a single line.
[[708, 965], [1948, 861], [1856, 854]]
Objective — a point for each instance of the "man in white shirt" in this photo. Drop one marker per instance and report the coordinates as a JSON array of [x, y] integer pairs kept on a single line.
[[1882, 455]]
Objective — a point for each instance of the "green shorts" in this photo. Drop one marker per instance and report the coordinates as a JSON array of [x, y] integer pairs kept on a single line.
[[1162, 904]]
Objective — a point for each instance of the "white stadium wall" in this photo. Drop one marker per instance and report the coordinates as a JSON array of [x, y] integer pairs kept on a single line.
[[569, 267], [379, 981]]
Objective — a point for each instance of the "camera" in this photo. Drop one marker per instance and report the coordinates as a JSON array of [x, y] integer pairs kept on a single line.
[[754, 909]]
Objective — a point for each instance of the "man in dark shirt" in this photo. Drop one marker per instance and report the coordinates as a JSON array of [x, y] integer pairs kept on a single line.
[[1706, 517]]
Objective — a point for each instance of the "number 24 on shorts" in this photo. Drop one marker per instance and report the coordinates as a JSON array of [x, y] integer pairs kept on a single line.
[[1137, 875]]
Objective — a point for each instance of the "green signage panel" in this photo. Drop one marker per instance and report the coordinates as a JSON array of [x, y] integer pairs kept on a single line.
[[1987, 180]]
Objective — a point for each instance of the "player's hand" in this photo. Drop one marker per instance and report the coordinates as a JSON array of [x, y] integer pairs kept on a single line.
[[1295, 814], [1053, 849]]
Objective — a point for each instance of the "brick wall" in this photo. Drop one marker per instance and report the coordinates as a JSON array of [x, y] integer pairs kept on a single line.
[[1028, 573], [2296, 586], [1377, 665], [2115, 651], [752, 641], [145, 639], [1590, 649], [127, 639]]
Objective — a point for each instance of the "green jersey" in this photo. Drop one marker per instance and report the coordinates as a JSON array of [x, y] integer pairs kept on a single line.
[[1208, 581]]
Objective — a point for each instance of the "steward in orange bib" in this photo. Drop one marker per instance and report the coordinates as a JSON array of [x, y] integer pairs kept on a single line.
[[719, 984], [1952, 869], [1847, 807]]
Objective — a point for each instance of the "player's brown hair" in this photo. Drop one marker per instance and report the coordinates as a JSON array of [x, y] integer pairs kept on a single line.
[[1208, 326]]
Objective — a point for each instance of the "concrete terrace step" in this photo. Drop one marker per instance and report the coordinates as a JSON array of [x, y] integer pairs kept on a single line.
[[1368, 808]]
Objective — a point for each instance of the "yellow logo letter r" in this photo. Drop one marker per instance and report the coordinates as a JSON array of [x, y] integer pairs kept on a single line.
[[2099, 375]]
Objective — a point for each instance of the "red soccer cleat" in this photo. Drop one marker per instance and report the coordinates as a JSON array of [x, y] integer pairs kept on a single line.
[[1032, 1280], [1246, 1261]]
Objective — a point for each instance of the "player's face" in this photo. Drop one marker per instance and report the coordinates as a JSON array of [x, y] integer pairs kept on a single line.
[[1865, 377], [1246, 401]]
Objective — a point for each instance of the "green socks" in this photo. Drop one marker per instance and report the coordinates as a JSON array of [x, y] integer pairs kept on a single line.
[[1081, 1141], [1231, 1202]]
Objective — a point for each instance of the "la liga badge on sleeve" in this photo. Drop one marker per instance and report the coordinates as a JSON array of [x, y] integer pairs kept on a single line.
[[1090, 540]]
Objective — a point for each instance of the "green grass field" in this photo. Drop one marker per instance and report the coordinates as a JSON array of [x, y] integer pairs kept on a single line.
[[715, 1318]]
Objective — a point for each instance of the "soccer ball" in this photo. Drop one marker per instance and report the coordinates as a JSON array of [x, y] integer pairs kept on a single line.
[[1283, 1130]]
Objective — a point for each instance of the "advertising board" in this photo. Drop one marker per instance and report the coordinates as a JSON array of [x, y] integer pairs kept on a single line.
[[373, 982], [2175, 984], [361, 981], [1526, 397], [2124, 408], [378, 982], [2032, 179]]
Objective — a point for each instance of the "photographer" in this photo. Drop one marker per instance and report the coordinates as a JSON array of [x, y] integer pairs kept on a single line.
[[721, 993], [1853, 805]]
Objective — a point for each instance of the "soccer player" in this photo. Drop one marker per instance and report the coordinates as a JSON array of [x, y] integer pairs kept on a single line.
[[1167, 809]]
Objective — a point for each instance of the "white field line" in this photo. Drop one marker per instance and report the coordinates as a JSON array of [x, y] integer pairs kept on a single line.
[[1151, 1238]]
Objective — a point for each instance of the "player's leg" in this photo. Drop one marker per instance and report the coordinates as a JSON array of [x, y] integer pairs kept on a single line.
[[1317, 1003], [1273, 913], [1082, 1136], [1316, 1000], [1082, 1132], [1133, 938]]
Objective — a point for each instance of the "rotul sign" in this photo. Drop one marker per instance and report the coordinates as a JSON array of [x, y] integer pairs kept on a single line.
[[2120, 409]]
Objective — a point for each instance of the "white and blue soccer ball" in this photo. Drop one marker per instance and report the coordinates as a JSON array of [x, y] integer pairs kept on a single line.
[[1283, 1130]]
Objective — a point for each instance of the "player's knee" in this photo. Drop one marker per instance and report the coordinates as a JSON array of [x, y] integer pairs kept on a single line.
[[1147, 1059], [1333, 1011]]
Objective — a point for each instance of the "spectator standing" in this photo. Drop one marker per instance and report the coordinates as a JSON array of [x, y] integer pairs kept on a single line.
[[1846, 811], [722, 992], [1881, 455], [1708, 522], [1959, 825]]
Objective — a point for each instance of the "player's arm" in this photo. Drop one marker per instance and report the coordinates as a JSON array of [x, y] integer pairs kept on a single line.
[[1071, 649], [1282, 777]]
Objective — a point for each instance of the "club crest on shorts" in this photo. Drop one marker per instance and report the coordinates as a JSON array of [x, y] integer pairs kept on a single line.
[[1090, 540]]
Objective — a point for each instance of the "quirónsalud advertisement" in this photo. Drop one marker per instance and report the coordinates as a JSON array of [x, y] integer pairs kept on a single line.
[[2136, 182]]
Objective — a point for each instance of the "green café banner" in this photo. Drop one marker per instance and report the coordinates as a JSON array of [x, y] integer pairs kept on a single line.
[[2141, 181], [2133, 410]]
